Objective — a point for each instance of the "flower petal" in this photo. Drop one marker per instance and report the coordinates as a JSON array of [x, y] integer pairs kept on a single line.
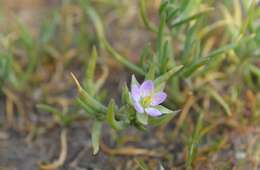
[[158, 98], [147, 88], [135, 92], [153, 112], [138, 107]]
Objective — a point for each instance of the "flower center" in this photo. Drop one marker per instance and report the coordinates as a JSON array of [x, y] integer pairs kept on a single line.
[[146, 101]]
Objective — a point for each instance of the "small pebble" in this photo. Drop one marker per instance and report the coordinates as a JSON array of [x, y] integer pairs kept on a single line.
[[3, 136], [240, 155]]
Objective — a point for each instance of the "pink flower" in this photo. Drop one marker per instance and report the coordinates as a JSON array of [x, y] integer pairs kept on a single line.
[[145, 99]]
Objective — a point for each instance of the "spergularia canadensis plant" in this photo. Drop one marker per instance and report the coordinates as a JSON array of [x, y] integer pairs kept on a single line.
[[159, 67]]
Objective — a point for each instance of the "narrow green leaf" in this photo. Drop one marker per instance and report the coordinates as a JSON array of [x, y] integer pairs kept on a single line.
[[31, 47], [95, 18], [118, 125], [90, 72], [163, 7], [188, 44], [187, 71], [8, 64], [221, 50], [59, 115], [167, 75], [190, 6], [164, 119], [49, 28], [25, 35], [164, 58], [87, 108], [166, 110], [102, 79], [151, 72], [181, 21], [48, 109], [191, 68], [193, 143], [6, 67], [197, 49], [88, 99], [95, 136], [91, 101], [123, 60], [172, 13], [101, 34], [145, 18], [160, 87], [145, 55], [125, 95], [159, 42], [221, 101], [255, 70], [142, 118]]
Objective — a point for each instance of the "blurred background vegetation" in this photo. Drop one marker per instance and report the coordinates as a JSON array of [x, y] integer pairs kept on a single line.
[[42, 42]]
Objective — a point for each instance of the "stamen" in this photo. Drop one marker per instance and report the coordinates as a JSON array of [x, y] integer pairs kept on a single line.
[[146, 101]]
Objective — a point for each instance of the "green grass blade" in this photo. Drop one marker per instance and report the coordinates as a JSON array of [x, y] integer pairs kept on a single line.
[[167, 75], [221, 101], [145, 19], [123, 60], [181, 21]]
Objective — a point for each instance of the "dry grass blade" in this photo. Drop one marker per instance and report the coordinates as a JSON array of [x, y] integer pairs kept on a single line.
[[63, 154], [130, 151], [185, 110], [12, 101]]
